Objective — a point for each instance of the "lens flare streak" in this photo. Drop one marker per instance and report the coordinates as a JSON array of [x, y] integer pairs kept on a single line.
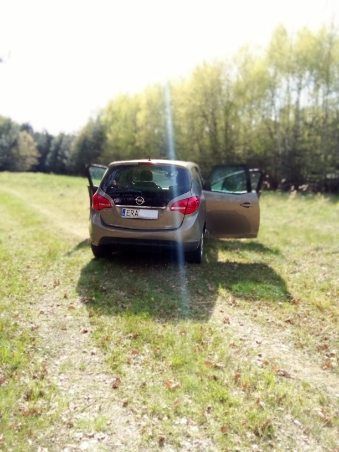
[[180, 255]]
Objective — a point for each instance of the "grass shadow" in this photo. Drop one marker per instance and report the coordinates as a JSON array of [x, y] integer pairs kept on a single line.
[[79, 246], [154, 285], [247, 246]]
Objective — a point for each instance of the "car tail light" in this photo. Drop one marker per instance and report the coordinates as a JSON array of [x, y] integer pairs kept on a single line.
[[186, 206], [99, 202]]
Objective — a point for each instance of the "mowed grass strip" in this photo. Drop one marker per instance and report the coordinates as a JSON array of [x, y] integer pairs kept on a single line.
[[178, 367], [28, 250]]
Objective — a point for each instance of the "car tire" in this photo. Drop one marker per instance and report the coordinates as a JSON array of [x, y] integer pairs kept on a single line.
[[196, 256], [100, 251]]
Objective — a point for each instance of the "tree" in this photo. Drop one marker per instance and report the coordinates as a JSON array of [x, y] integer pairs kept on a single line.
[[58, 158], [9, 133], [88, 146], [43, 142], [24, 153]]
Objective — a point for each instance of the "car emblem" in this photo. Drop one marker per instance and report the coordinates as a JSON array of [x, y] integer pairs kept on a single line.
[[139, 200]]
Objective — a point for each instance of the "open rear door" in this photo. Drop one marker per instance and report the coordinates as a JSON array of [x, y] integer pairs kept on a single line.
[[95, 173], [232, 208], [257, 179]]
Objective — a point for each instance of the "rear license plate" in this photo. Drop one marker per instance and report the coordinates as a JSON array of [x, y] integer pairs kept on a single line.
[[142, 214]]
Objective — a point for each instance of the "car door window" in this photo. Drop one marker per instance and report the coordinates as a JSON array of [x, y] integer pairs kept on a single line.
[[257, 177], [196, 181], [230, 179], [95, 174]]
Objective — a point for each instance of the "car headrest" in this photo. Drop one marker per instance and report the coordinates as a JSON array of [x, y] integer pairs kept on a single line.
[[146, 176]]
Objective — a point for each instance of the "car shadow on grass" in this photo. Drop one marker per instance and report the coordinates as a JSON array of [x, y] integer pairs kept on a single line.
[[156, 285], [244, 246], [83, 244]]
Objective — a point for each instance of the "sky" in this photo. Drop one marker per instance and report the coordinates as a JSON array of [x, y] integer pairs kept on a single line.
[[63, 60]]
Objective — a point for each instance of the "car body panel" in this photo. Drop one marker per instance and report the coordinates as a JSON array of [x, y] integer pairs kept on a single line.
[[231, 215], [188, 234]]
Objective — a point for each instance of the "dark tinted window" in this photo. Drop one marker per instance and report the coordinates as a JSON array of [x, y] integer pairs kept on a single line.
[[166, 181]]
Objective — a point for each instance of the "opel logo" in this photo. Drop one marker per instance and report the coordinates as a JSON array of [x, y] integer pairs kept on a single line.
[[139, 200]]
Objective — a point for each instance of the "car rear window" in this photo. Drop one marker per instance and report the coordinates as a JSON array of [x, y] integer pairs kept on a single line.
[[147, 178]]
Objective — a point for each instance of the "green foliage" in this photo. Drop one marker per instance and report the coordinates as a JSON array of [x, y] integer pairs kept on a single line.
[[18, 150], [57, 160], [23, 149], [25, 154], [88, 145], [277, 109], [9, 132], [43, 142]]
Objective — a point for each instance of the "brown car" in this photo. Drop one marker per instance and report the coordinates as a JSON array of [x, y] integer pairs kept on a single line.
[[162, 203]]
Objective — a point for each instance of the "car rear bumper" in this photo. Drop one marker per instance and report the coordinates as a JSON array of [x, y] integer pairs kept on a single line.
[[188, 235]]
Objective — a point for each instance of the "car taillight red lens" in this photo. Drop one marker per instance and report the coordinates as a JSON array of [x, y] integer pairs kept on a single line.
[[99, 202], [186, 206]]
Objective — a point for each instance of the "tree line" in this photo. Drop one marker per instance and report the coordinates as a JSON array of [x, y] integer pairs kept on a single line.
[[23, 149], [277, 109]]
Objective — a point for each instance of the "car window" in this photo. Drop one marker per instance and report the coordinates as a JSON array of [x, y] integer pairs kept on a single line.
[[196, 181], [229, 179], [255, 176], [96, 173], [151, 178]]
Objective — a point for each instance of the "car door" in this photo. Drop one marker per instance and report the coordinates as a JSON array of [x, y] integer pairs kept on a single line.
[[95, 173], [257, 179], [232, 207]]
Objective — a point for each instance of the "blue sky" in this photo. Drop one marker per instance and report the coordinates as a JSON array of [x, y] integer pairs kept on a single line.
[[65, 59]]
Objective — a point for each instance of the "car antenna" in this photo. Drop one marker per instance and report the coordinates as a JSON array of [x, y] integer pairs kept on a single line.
[[149, 159]]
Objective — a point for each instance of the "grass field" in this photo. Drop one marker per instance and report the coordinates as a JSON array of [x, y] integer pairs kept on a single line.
[[239, 353]]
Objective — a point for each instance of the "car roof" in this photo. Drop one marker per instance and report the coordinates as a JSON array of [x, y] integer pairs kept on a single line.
[[182, 163]]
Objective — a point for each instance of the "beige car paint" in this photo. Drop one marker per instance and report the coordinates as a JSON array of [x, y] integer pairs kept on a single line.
[[222, 214]]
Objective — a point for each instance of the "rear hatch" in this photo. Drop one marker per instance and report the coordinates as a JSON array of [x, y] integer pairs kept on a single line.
[[142, 194]]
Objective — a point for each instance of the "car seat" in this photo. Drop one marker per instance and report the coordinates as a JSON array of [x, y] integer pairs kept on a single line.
[[146, 180]]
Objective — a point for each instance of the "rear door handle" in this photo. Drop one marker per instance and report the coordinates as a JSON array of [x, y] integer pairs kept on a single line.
[[246, 204]]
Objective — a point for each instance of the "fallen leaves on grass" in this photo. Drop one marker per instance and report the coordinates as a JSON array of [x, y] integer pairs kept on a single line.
[[214, 364], [283, 373], [171, 384], [2, 379], [85, 299], [56, 283], [328, 364], [237, 377], [161, 441], [324, 416], [224, 429], [132, 335], [323, 347], [116, 382]]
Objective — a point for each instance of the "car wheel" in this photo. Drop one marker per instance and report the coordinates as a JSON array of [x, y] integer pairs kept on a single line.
[[100, 251], [196, 256]]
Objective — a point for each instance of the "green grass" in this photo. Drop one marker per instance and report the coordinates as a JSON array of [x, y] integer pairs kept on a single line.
[[166, 332], [25, 396]]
